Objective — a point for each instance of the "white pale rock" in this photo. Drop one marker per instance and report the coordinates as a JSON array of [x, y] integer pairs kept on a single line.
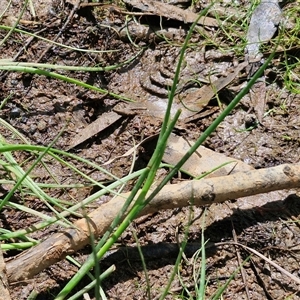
[[262, 27]]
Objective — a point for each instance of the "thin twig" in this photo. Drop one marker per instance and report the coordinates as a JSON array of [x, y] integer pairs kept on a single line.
[[71, 14], [276, 266], [243, 273]]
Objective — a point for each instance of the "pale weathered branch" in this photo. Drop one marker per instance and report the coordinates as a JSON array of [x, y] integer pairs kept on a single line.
[[4, 292], [201, 192]]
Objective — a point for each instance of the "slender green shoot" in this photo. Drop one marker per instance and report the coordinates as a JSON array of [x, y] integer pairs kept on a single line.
[[143, 264], [202, 285], [10, 65], [4, 101], [15, 25], [63, 78], [5, 10], [92, 284], [17, 246], [17, 30], [179, 256], [24, 177], [222, 289], [291, 76]]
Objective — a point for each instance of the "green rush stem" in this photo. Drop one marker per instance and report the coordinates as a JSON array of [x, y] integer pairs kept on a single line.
[[140, 203], [63, 78]]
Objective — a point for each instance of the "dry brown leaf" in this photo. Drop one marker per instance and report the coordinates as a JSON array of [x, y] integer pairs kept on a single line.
[[204, 160], [73, 2], [170, 12], [196, 101], [129, 152], [258, 98], [105, 120]]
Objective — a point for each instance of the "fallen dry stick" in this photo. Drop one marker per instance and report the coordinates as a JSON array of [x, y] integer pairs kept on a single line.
[[4, 292], [201, 192]]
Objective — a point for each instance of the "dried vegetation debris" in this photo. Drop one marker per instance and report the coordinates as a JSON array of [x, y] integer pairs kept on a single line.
[[40, 107]]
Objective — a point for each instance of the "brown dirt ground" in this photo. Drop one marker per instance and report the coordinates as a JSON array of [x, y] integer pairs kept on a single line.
[[39, 108]]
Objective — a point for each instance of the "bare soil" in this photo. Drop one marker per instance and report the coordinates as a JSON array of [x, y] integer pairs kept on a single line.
[[40, 107]]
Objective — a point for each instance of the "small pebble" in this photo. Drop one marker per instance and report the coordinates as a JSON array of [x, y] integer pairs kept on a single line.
[[250, 120], [42, 125], [15, 113]]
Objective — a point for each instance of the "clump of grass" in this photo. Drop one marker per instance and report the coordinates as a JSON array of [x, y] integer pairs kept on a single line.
[[22, 182], [291, 75], [146, 179]]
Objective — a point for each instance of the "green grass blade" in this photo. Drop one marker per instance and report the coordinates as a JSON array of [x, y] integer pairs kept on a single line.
[[221, 290], [63, 78], [8, 28], [202, 286], [12, 29], [12, 66]]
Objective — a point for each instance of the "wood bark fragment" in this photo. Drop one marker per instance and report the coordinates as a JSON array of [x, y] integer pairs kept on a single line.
[[201, 193]]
